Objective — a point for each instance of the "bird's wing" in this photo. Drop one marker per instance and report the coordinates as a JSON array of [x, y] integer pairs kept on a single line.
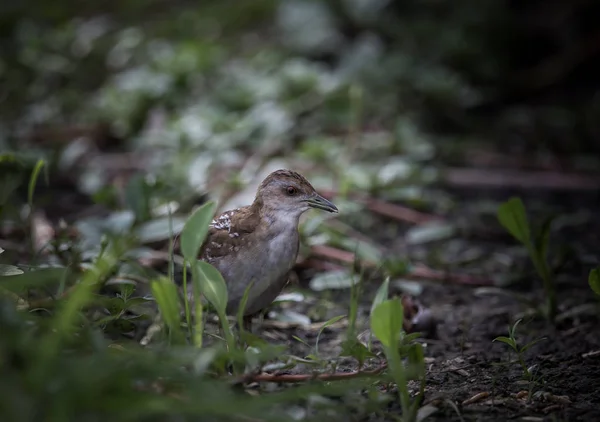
[[228, 232]]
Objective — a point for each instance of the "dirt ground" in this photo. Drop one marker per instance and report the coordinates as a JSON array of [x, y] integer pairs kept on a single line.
[[464, 365]]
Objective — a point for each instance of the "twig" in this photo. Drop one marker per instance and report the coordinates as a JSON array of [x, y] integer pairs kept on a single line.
[[334, 253], [293, 378], [387, 209], [318, 264], [398, 212], [419, 272], [426, 273]]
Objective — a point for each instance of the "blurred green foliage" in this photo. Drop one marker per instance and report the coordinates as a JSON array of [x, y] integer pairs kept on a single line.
[[371, 92]]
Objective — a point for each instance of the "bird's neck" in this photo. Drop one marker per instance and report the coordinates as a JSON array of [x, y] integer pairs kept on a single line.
[[276, 220]]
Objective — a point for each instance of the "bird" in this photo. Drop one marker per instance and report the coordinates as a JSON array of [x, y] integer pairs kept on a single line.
[[259, 243]]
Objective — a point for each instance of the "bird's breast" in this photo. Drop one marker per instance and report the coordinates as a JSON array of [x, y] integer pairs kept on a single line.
[[264, 262]]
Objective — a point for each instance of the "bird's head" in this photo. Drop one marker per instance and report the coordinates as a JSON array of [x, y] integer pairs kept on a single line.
[[285, 192]]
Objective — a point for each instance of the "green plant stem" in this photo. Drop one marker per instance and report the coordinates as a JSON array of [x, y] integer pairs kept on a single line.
[[541, 267], [524, 366], [397, 369], [227, 330], [186, 301]]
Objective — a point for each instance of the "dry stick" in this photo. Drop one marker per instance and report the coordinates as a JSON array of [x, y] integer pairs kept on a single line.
[[291, 378], [387, 209], [419, 272], [398, 212]]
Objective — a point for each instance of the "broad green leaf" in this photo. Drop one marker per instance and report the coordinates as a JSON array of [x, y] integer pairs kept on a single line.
[[42, 277], [195, 230], [364, 251], [594, 280], [159, 229], [165, 294], [397, 267], [327, 324], [292, 317], [408, 338], [386, 322], [212, 285], [9, 270], [382, 294], [339, 279], [430, 232], [513, 217], [353, 347], [204, 359], [426, 411]]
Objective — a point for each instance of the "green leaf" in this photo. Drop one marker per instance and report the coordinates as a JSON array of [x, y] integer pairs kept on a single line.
[[430, 232], [212, 285], [381, 295], [513, 217], [159, 229], [532, 343], [165, 294], [594, 280], [364, 251], [300, 340], [506, 340], [513, 329], [337, 279], [386, 322], [327, 324], [416, 360], [543, 238], [9, 270], [33, 180], [137, 197], [195, 230], [42, 277], [396, 267], [242, 306], [353, 347], [407, 339]]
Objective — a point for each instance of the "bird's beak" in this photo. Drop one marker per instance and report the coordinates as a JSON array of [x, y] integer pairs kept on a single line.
[[321, 203]]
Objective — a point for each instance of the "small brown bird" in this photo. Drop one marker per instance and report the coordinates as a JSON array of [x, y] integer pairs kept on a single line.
[[259, 243]]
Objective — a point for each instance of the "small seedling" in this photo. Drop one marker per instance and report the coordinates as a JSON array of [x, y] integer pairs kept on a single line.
[[386, 324], [519, 350], [513, 217]]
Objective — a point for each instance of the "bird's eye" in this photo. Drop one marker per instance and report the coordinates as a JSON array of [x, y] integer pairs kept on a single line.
[[291, 190]]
